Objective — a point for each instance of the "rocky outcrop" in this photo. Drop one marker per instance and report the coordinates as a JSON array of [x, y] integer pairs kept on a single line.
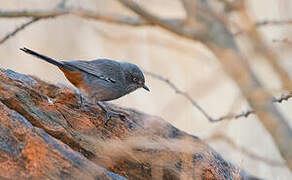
[[47, 134]]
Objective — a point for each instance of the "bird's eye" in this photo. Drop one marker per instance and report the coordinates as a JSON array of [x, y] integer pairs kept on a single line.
[[135, 79]]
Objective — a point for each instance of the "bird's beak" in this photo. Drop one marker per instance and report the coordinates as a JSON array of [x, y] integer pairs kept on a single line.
[[146, 88]]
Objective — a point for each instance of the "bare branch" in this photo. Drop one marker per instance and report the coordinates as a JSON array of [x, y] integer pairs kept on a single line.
[[273, 22], [5, 38], [194, 103], [284, 97], [268, 23], [86, 14], [32, 14], [110, 18], [244, 114], [188, 6], [60, 10], [60, 5], [229, 116], [228, 140], [172, 26]]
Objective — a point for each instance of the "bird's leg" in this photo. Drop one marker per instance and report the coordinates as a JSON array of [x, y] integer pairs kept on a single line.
[[82, 101], [78, 93], [101, 106], [110, 114]]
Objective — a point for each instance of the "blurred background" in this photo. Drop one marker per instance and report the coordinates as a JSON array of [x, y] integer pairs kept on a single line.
[[189, 65]]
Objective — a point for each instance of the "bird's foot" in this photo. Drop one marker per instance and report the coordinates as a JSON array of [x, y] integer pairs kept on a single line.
[[83, 104], [111, 114], [84, 108]]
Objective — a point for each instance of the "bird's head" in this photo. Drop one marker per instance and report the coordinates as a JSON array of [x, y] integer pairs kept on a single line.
[[134, 77]]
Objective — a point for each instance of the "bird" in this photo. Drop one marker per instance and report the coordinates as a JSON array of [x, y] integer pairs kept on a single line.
[[100, 79]]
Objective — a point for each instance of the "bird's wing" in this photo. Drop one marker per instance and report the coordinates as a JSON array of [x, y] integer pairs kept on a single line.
[[104, 69]]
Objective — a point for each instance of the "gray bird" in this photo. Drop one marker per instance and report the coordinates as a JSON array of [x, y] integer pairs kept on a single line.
[[100, 79]]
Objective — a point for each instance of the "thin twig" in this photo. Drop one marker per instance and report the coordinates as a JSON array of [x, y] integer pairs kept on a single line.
[[110, 18], [273, 22], [194, 103], [175, 24], [284, 97], [229, 116], [267, 23], [228, 140], [86, 14], [5, 38], [61, 10], [60, 5]]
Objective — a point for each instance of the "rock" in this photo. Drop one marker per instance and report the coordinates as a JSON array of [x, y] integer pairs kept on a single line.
[[46, 133], [28, 152]]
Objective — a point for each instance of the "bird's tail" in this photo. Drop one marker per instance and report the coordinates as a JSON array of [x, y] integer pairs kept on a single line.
[[48, 59]]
